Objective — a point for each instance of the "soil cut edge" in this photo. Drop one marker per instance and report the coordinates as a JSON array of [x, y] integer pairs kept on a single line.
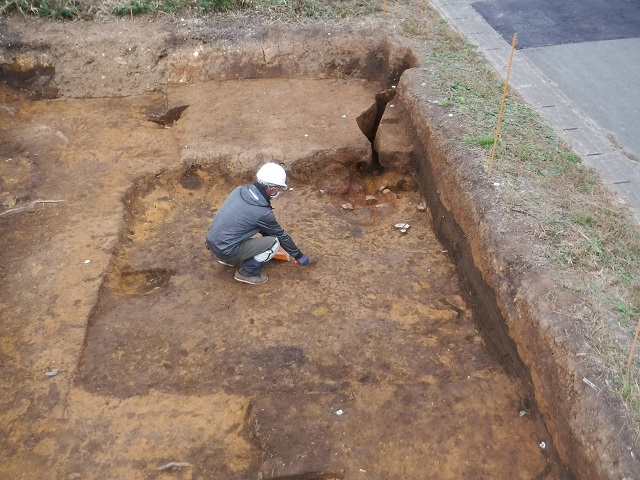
[[536, 342]]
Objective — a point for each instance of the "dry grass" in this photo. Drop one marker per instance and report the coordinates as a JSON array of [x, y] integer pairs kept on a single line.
[[275, 9]]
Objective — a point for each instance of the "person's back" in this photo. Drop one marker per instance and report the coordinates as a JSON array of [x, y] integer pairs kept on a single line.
[[237, 220], [246, 212]]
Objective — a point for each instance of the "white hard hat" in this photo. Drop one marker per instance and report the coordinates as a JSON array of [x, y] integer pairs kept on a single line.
[[272, 174]]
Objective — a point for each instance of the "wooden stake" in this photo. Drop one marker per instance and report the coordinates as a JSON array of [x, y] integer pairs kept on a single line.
[[384, 6], [633, 346], [504, 96], [131, 9]]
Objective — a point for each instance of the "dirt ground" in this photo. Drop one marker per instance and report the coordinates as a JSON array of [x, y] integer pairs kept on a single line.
[[125, 346]]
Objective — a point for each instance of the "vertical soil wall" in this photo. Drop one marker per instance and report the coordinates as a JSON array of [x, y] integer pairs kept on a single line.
[[509, 293]]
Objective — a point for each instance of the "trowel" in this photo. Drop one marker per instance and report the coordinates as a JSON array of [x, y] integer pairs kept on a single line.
[[282, 255]]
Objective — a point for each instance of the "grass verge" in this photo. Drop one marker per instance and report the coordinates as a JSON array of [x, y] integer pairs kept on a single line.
[[75, 9], [593, 242]]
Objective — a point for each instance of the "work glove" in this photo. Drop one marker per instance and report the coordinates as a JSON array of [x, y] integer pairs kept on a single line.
[[303, 261]]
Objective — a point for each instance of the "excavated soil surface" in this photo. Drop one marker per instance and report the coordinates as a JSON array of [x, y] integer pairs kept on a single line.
[[162, 356], [125, 346]]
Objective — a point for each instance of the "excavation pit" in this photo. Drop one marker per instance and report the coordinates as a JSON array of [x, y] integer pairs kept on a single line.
[[387, 357], [376, 328]]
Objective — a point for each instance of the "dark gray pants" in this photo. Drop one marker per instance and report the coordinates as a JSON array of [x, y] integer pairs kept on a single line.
[[253, 254]]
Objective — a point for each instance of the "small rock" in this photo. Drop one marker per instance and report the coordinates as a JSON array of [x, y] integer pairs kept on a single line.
[[339, 412], [383, 187], [402, 226], [347, 206], [174, 466], [371, 199], [386, 191], [421, 207], [52, 373]]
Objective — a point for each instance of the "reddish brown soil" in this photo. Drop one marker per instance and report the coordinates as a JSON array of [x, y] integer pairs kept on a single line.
[[367, 364]]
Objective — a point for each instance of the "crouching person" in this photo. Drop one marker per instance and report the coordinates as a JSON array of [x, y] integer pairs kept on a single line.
[[246, 212]]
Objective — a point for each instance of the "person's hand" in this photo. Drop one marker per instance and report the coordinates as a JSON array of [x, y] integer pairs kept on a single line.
[[303, 261]]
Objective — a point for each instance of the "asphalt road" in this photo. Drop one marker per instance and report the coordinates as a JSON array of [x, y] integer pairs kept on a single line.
[[545, 23]]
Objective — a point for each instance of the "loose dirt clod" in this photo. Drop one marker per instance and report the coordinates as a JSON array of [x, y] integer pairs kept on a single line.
[[28, 206], [174, 466]]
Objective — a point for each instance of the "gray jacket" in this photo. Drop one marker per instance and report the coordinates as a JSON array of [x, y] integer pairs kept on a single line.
[[245, 212]]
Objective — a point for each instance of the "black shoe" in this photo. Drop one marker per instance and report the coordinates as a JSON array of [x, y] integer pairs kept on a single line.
[[252, 279]]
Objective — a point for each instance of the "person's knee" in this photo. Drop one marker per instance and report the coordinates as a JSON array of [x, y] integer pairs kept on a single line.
[[268, 254]]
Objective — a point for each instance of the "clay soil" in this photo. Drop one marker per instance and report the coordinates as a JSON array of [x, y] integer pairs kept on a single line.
[[125, 346]]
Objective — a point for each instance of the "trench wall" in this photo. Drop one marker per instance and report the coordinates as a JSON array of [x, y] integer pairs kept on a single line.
[[508, 293], [44, 62], [504, 287]]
